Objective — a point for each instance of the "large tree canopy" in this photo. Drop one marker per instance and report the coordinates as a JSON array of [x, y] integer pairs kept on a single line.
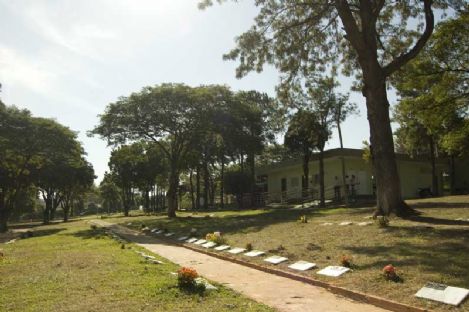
[[372, 38]]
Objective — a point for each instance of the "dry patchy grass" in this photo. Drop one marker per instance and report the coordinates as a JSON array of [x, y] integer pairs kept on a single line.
[[432, 247]]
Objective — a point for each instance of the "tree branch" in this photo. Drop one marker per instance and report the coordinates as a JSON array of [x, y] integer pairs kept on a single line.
[[350, 25], [406, 57]]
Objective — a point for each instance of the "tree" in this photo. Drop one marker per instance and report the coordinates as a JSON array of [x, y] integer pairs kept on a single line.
[[370, 37], [166, 114], [433, 109], [110, 193]]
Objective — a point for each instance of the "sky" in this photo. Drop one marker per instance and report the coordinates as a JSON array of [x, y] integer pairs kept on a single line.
[[68, 59]]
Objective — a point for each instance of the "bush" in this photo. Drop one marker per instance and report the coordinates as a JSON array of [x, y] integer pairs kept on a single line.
[[186, 277], [303, 219], [94, 227], [249, 247]]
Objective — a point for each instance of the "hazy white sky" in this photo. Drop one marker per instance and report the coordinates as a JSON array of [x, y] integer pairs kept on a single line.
[[68, 59]]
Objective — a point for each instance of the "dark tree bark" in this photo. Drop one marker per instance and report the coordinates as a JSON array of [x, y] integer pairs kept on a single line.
[[206, 184], [222, 183], [364, 41], [191, 185], [172, 192], [5, 212], [305, 182], [435, 189], [197, 188], [322, 201], [342, 162]]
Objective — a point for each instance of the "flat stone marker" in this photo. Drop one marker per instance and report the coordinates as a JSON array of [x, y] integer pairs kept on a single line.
[[148, 257], [327, 223], [254, 253], [346, 223], [154, 261], [183, 238], [275, 259], [333, 271], [154, 230], [200, 242], [191, 240], [236, 250], [302, 265], [159, 232], [364, 223], [209, 245], [11, 241], [169, 234], [443, 293], [130, 223], [222, 247]]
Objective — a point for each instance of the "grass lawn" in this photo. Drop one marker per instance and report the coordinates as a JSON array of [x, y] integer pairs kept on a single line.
[[434, 247], [70, 267]]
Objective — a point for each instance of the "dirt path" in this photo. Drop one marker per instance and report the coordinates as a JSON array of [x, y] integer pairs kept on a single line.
[[280, 293]]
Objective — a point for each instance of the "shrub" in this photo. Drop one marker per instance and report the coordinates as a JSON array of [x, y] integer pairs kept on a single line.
[[249, 247], [303, 219], [186, 277], [93, 227], [346, 261]]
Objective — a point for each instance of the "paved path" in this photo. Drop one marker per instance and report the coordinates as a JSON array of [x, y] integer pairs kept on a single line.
[[278, 292]]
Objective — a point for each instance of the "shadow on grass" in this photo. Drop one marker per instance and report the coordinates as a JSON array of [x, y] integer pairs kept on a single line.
[[444, 253], [439, 204], [97, 233], [437, 221]]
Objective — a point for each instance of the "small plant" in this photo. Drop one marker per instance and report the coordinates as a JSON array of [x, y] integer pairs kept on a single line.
[[346, 261], [142, 226], [94, 227], [249, 247], [389, 273], [383, 221], [122, 246], [303, 219], [215, 237], [2, 255], [186, 277]]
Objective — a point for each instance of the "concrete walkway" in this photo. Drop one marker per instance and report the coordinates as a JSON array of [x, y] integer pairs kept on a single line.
[[278, 292]]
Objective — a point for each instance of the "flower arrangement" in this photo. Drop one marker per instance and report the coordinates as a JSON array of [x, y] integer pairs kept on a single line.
[[186, 277], [346, 261], [215, 237], [303, 219], [390, 274]]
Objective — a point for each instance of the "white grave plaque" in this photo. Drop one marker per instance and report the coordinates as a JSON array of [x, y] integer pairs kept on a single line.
[[327, 223], [254, 253], [183, 238], [191, 240], [236, 250], [364, 223], [222, 247], [209, 245], [443, 293], [302, 266], [154, 230], [200, 242], [159, 232], [333, 271], [346, 223], [169, 234], [275, 259]]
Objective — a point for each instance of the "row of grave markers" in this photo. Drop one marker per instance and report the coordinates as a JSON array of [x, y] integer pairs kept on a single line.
[[333, 271], [436, 292]]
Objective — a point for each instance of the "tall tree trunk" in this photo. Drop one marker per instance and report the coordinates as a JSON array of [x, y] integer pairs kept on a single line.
[[4, 213], [197, 188], [222, 183], [435, 189], [305, 184], [322, 201], [452, 176], [206, 184], [172, 192], [252, 173], [388, 187], [47, 197], [191, 186], [342, 162]]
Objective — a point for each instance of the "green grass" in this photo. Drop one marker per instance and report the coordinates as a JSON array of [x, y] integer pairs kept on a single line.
[[433, 247], [70, 267]]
